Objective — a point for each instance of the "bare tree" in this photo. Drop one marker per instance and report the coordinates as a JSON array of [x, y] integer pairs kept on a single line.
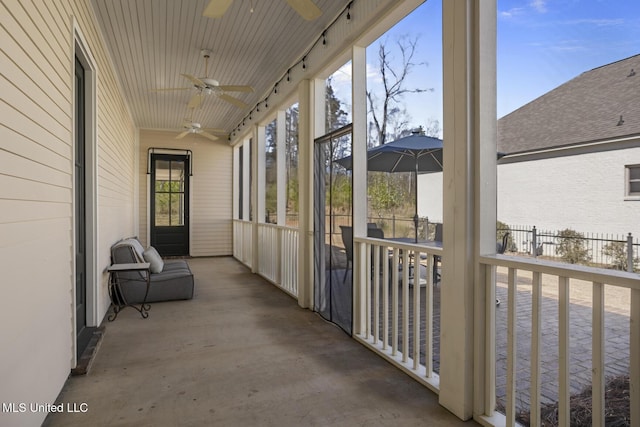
[[387, 113], [433, 128]]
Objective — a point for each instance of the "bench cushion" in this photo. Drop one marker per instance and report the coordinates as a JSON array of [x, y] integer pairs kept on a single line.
[[174, 281]]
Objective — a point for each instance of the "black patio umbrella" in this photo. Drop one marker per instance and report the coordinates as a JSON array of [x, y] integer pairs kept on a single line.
[[415, 153]]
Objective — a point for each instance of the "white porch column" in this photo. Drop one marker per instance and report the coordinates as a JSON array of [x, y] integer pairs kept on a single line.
[[359, 171], [246, 184], [469, 48], [305, 195], [236, 182], [260, 168], [281, 166], [258, 160]]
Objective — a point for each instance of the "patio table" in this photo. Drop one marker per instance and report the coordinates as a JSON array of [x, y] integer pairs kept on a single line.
[[425, 243]]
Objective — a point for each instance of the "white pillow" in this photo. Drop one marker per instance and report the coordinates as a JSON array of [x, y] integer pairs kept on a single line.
[[152, 256]]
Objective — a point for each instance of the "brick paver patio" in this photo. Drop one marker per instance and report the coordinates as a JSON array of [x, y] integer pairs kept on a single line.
[[580, 319], [580, 314]]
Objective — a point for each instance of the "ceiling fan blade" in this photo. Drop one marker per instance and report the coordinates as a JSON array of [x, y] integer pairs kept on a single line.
[[196, 81], [171, 88], [195, 101], [208, 135], [216, 8], [232, 100], [235, 88], [182, 134], [305, 8]]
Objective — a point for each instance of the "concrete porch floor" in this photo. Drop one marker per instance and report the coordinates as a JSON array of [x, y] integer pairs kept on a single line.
[[241, 353]]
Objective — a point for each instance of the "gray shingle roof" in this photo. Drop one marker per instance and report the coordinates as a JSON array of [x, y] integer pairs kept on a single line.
[[585, 109]]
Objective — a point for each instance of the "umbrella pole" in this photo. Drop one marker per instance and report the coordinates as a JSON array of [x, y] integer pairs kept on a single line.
[[415, 189]]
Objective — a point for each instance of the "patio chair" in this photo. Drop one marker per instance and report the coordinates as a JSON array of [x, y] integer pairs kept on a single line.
[[347, 241], [437, 260], [377, 233], [501, 247]]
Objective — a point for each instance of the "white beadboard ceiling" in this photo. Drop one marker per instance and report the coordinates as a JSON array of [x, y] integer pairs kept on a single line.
[[152, 42]]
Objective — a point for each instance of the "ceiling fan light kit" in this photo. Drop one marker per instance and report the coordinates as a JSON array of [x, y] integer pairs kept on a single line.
[[191, 127], [207, 86]]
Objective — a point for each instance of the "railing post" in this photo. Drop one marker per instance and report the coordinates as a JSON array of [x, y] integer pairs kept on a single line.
[[534, 241], [630, 253]]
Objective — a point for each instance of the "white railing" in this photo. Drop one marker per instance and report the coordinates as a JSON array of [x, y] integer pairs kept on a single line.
[[395, 320], [277, 252], [562, 279], [243, 241], [278, 256]]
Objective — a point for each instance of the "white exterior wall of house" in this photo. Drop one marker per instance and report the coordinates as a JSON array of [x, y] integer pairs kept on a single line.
[[584, 192], [430, 196], [37, 322], [211, 190]]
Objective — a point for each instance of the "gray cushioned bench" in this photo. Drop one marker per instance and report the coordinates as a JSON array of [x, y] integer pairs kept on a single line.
[[169, 280]]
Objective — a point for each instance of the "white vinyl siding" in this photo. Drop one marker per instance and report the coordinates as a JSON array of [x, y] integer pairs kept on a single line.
[[211, 190], [36, 196]]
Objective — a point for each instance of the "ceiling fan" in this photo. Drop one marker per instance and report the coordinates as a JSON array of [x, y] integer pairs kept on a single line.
[[193, 127], [207, 86], [305, 8]]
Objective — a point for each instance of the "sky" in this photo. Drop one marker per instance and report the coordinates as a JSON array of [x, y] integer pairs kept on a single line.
[[541, 45]]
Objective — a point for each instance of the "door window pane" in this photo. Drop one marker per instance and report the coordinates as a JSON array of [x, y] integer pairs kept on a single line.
[[162, 209], [170, 183]]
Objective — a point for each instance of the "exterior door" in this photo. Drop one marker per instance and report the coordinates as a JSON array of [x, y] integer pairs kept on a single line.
[[83, 334], [170, 204], [333, 228]]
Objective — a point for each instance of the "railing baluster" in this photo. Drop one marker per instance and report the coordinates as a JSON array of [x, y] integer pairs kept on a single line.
[[490, 358], [367, 289], [394, 303], [563, 351], [416, 311], [536, 331], [511, 348], [597, 362], [405, 305], [385, 300], [428, 319], [376, 293]]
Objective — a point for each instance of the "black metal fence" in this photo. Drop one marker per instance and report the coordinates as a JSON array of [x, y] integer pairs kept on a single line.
[[620, 252], [606, 250]]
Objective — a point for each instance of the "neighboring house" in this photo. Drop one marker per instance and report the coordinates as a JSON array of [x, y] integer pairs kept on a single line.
[[572, 156]]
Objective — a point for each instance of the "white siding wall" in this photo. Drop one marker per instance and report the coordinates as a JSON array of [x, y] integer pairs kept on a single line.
[[584, 192], [36, 193], [211, 189]]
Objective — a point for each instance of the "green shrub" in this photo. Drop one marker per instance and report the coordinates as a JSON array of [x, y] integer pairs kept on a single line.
[[617, 251], [572, 247]]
